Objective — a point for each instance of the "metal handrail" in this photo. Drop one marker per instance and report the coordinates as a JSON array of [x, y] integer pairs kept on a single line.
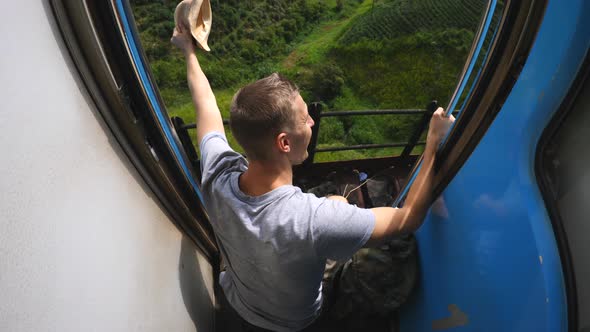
[[366, 146], [317, 114], [373, 112], [344, 113]]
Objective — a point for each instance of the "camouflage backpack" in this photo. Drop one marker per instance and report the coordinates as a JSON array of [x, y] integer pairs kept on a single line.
[[376, 280]]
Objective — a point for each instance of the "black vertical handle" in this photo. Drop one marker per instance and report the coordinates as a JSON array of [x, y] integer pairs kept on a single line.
[[315, 111], [430, 109]]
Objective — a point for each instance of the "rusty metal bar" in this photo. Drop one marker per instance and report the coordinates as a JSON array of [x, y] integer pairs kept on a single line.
[[373, 112], [342, 113], [366, 146], [315, 111]]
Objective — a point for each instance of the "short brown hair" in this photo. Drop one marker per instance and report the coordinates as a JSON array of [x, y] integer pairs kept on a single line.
[[260, 111]]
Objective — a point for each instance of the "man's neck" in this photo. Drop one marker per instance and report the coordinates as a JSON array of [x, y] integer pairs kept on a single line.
[[262, 177]]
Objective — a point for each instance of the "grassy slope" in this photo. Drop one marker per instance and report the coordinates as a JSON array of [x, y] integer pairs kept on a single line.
[[314, 48]]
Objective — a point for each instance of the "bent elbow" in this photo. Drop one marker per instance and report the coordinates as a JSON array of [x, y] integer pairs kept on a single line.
[[412, 220]]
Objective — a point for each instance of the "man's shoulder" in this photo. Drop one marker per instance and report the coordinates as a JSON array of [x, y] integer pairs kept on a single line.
[[217, 157], [216, 141], [287, 203], [306, 205], [297, 197]]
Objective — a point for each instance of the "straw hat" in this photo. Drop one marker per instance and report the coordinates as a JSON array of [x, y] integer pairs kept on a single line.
[[195, 14]]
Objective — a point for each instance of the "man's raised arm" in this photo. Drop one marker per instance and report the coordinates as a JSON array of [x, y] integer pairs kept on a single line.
[[391, 221], [207, 111]]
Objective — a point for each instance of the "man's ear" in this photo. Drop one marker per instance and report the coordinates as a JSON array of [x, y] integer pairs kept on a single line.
[[282, 143]]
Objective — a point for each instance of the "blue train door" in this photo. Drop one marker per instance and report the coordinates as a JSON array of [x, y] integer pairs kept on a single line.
[[503, 246]]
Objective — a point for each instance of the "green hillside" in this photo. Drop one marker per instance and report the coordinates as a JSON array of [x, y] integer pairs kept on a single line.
[[394, 19], [347, 54], [394, 54]]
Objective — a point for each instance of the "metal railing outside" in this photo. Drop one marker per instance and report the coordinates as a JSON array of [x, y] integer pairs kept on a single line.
[[315, 111]]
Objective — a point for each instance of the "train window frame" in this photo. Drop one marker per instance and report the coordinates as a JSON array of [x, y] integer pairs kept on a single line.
[[546, 183], [104, 45], [512, 43]]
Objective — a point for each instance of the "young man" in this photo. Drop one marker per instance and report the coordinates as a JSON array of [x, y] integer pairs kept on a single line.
[[275, 239]]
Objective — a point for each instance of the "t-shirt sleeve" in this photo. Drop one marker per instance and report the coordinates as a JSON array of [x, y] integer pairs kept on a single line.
[[340, 229], [217, 156]]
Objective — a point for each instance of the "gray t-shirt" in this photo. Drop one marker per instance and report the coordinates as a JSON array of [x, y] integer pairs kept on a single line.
[[275, 245]]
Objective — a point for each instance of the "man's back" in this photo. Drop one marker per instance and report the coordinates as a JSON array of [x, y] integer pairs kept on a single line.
[[275, 245]]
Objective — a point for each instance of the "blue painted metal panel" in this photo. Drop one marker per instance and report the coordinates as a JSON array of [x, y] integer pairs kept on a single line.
[[487, 247]]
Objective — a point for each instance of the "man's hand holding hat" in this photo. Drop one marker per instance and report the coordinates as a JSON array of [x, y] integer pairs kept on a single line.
[[196, 17]]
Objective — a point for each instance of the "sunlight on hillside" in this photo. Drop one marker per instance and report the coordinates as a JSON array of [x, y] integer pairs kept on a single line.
[[314, 47]]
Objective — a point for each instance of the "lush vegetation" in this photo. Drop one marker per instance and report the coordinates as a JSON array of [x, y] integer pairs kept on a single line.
[[347, 54]]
